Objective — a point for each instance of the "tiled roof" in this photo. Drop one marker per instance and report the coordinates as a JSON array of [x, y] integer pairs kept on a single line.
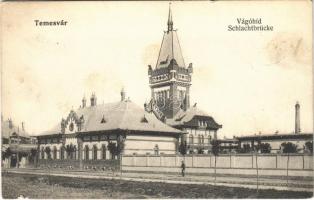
[[170, 49], [183, 117], [123, 115]]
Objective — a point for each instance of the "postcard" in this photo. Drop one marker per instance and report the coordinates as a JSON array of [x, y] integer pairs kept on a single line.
[[180, 99]]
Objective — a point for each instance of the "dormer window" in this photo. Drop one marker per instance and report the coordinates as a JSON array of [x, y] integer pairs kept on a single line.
[[144, 120], [103, 120]]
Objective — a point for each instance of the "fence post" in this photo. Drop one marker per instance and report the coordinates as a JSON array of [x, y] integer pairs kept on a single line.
[[230, 159], [192, 161], [303, 161], [288, 170], [160, 160], [252, 160], [277, 161], [120, 165], [175, 160], [256, 171]]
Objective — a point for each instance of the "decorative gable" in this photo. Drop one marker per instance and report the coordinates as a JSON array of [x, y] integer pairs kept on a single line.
[[72, 123]]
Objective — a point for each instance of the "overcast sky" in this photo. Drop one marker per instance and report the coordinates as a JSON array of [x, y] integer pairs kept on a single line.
[[248, 81]]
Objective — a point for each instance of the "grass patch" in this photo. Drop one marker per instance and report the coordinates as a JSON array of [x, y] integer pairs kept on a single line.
[[37, 186]]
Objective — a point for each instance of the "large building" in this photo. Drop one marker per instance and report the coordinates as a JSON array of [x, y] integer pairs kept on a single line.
[[104, 131], [170, 81]]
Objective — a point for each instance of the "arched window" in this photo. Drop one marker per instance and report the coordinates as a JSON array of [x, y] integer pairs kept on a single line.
[[48, 152], [103, 151], [86, 152], [42, 153], [74, 152], [191, 139], [54, 153], [95, 149], [62, 152], [199, 139]]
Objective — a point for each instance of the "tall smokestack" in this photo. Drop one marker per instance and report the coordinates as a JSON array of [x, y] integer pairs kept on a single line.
[[23, 126], [122, 94], [297, 118]]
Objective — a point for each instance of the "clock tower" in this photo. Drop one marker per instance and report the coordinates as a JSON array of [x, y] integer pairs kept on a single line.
[[170, 79]]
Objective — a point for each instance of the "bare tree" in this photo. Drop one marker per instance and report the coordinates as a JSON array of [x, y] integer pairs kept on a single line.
[[215, 151]]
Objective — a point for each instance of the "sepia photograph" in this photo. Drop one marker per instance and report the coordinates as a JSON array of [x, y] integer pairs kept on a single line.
[[156, 100]]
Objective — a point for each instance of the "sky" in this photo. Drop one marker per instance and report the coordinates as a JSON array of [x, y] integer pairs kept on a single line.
[[248, 81]]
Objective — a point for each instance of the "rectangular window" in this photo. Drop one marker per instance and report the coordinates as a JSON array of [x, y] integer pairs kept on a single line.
[[86, 138], [103, 137], [94, 137]]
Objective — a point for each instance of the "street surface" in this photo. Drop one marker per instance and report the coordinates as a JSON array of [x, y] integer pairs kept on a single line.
[[278, 183]]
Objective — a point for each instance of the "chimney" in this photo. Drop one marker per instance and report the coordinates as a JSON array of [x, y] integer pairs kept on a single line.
[[93, 100], [23, 128], [122, 94], [10, 123], [297, 118], [84, 102]]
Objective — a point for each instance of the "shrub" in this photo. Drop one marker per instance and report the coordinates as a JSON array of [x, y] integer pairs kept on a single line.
[[288, 147], [215, 147], [309, 146], [265, 147], [183, 148]]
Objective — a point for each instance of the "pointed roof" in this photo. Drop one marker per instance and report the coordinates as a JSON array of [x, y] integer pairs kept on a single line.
[[170, 47]]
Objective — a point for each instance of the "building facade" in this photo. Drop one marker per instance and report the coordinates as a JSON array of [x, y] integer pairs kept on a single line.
[[104, 131], [170, 81]]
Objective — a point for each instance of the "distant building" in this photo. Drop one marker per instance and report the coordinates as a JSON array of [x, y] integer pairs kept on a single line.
[[17, 145], [170, 82], [275, 140]]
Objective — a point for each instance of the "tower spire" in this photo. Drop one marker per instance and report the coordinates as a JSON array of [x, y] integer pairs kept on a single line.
[[170, 22]]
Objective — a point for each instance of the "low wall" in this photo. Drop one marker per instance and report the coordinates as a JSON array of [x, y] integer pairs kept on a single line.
[[75, 164], [298, 164]]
